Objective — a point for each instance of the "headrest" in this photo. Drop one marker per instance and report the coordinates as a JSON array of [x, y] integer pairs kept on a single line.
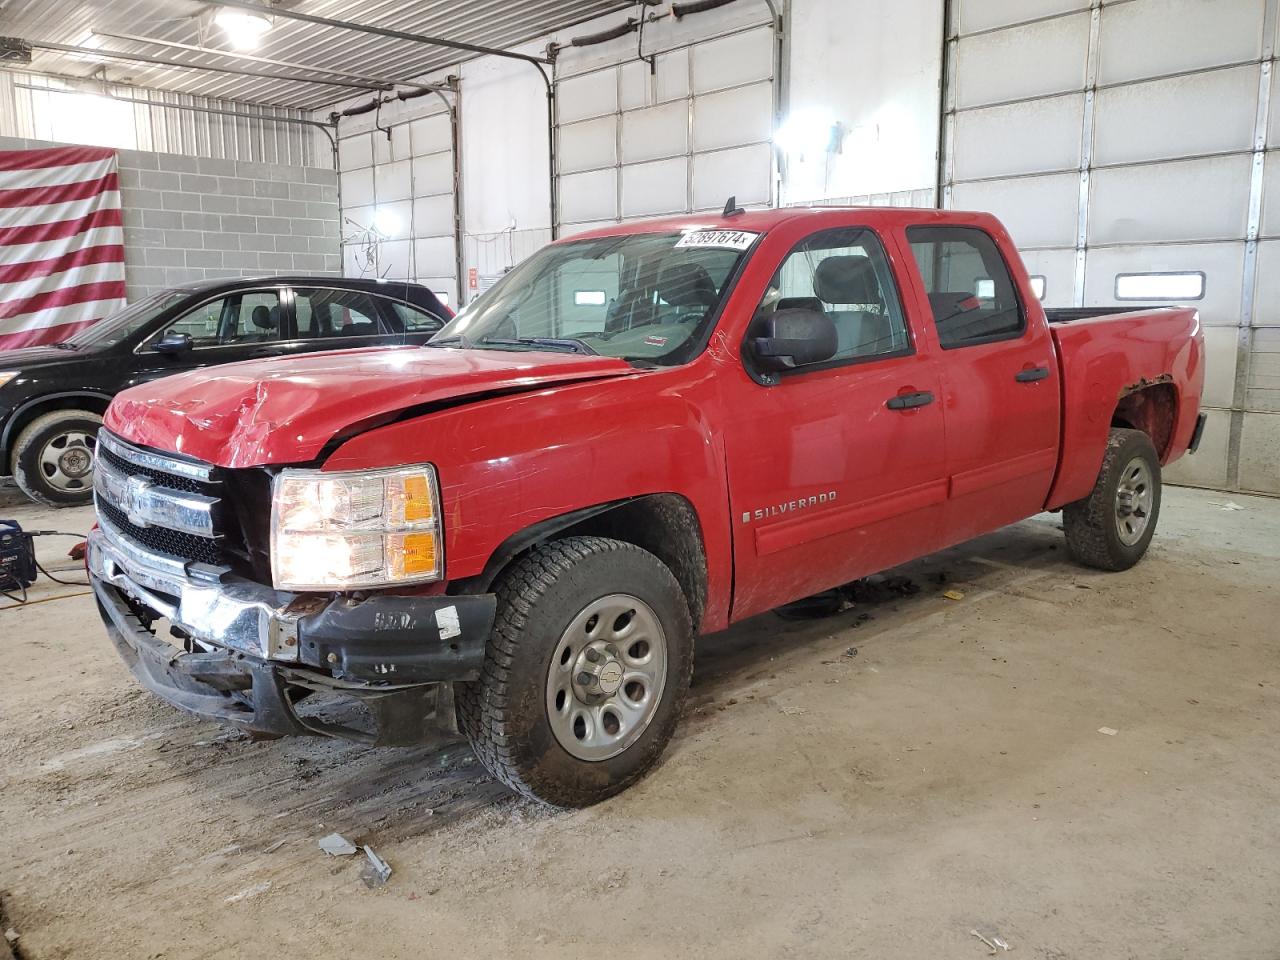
[[687, 285], [847, 279], [801, 303], [265, 318]]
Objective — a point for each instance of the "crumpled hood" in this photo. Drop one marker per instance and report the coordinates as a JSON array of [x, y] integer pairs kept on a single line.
[[285, 409]]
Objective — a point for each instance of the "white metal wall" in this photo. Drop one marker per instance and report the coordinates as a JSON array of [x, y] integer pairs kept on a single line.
[[682, 138], [404, 187], [1122, 137]]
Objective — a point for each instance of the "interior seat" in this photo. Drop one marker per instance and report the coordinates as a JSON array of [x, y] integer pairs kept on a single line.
[[850, 281]]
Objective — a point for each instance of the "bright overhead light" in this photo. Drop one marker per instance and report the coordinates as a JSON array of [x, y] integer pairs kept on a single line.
[[386, 222], [243, 28], [809, 132]]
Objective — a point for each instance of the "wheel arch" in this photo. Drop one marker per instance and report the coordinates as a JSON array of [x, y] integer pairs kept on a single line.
[[665, 524], [1151, 407], [92, 401]]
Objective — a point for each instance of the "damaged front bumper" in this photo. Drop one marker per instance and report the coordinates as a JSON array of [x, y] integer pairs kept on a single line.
[[253, 653]]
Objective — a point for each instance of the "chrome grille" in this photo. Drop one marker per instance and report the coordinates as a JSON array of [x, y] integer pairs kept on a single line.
[[163, 505]]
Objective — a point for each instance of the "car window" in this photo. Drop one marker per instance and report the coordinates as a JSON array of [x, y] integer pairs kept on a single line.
[[415, 320], [335, 314], [971, 291], [844, 274], [239, 318]]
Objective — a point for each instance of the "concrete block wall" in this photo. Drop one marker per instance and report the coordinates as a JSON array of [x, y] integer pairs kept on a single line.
[[196, 218]]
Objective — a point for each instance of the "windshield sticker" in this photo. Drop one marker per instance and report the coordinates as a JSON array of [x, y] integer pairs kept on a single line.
[[723, 239], [656, 341]]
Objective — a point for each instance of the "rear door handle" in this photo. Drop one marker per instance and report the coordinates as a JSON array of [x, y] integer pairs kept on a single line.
[[908, 401], [1032, 374]]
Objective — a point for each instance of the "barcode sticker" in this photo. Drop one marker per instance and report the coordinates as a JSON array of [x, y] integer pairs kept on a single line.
[[722, 239]]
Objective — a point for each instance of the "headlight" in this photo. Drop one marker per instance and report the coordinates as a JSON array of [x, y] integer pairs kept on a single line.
[[345, 531], [7, 375]]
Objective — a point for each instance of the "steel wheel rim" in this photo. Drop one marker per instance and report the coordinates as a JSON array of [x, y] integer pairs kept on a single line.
[[606, 677], [1135, 497], [66, 460]]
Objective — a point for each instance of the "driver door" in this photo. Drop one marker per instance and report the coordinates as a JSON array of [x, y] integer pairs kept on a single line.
[[831, 477]]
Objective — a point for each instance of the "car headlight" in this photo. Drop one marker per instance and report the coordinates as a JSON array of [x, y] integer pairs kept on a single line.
[[349, 530], [7, 375]]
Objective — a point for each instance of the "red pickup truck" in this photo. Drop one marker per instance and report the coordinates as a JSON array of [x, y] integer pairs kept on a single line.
[[640, 434]]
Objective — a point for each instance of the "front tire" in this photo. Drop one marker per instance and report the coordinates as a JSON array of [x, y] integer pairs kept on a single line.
[[585, 673], [54, 455], [1112, 527]]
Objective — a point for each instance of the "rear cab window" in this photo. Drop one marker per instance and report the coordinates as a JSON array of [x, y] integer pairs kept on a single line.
[[971, 292]]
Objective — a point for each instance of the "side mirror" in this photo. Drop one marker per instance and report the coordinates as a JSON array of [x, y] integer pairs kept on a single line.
[[793, 338], [174, 343]]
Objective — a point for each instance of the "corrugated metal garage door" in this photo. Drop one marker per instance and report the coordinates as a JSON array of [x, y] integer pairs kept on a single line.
[[1126, 144], [633, 144], [403, 187]]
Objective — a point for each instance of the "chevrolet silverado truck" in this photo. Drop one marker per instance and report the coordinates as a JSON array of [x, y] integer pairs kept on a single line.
[[640, 434]]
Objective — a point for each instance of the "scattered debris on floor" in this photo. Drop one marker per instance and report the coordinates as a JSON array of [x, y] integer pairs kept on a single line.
[[995, 943], [792, 711], [377, 871], [954, 595], [336, 845], [275, 846], [249, 892], [1227, 504], [849, 654], [1109, 731], [879, 589]]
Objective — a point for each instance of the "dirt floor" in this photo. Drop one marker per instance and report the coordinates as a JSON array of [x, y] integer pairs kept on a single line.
[[846, 787]]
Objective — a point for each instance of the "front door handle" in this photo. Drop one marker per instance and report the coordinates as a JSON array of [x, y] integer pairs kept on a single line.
[[908, 401], [1032, 374]]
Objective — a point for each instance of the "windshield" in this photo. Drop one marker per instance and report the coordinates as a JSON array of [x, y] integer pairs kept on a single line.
[[132, 318], [642, 297]]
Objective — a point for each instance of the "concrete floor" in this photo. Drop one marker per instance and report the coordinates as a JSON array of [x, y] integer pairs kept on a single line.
[[948, 776]]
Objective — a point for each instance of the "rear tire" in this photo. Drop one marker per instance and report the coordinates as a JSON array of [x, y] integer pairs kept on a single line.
[[54, 455], [1112, 527], [585, 673]]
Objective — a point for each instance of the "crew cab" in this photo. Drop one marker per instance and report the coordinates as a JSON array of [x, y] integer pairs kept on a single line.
[[640, 434], [52, 398]]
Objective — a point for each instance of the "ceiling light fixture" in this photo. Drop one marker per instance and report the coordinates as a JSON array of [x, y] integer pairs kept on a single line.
[[243, 27]]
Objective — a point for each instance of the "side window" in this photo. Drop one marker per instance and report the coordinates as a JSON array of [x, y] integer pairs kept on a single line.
[[845, 274], [239, 318], [335, 313], [970, 289], [413, 319]]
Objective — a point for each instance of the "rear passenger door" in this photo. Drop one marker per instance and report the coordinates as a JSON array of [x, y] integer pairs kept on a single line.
[[330, 319], [1000, 381]]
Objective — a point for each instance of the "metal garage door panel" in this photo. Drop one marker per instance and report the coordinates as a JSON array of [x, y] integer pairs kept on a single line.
[[1221, 350], [733, 60], [433, 174], [1264, 371], [433, 216], [746, 173], [1208, 468], [434, 256], [591, 95], [573, 229], [589, 196], [1271, 195], [653, 188], [1182, 200], [431, 134], [669, 81], [978, 15], [1038, 136], [1182, 116], [1035, 60], [352, 260], [355, 152], [589, 145], [395, 219], [442, 287], [1150, 38], [394, 258], [1221, 263], [634, 85], [1260, 452], [1273, 121], [656, 132], [1057, 268], [392, 181], [395, 147], [357, 187], [1266, 304], [733, 117], [361, 218], [1038, 211]]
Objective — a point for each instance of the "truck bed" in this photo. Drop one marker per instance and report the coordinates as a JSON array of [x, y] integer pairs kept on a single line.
[[1068, 314]]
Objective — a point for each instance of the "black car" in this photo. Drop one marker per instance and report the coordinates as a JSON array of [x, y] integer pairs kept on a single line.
[[52, 398]]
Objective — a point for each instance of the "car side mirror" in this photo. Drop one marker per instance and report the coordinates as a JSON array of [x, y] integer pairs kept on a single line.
[[174, 343], [794, 338]]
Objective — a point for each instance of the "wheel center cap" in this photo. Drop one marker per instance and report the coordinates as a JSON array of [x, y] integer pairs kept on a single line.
[[599, 672], [75, 463], [610, 678]]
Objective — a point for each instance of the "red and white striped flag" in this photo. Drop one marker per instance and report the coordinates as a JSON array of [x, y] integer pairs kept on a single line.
[[61, 243]]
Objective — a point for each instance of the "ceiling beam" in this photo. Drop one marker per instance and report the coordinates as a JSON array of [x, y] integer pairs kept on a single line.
[[381, 31], [383, 83], [180, 65]]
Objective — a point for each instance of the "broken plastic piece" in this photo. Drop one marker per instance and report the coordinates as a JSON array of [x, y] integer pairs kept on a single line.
[[377, 871], [954, 595], [1109, 731], [336, 845]]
